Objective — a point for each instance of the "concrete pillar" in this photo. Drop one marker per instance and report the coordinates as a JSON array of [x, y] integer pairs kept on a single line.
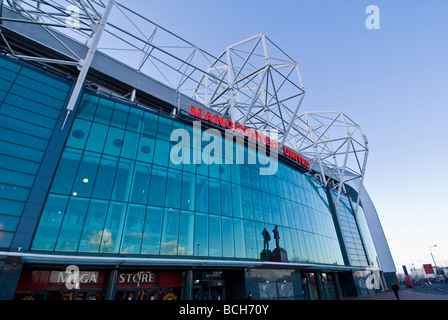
[[188, 289], [320, 288]]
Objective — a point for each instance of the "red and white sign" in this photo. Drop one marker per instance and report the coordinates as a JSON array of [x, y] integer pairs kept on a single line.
[[428, 269]]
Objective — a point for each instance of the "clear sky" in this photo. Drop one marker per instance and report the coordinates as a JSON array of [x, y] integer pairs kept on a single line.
[[393, 82]]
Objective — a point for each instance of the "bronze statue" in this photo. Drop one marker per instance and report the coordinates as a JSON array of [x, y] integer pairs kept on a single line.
[[267, 238], [276, 237]]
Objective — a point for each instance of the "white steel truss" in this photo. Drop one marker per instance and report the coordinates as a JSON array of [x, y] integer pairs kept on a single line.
[[255, 84], [337, 146]]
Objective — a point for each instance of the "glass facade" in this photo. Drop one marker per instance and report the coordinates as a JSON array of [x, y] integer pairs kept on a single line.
[[117, 192], [30, 105]]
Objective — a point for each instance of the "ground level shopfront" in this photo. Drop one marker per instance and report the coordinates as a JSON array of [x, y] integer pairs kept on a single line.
[[56, 282]]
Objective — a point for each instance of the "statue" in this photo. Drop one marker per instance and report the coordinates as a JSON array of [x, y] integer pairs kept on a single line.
[[267, 238], [276, 237]]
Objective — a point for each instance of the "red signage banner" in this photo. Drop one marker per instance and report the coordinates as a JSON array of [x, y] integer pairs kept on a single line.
[[428, 269]]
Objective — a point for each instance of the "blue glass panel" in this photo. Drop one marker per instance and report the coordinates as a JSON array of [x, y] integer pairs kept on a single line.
[[245, 175], [93, 226], [130, 145], [135, 120], [201, 234], [240, 243], [79, 133], [123, 180], [33, 107], [113, 229], [247, 203], [164, 128], [158, 186], [10, 207], [104, 111], [162, 153], [25, 139], [173, 188], [6, 239], [18, 151], [186, 233], [120, 116], [152, 231], [13, 192], [16, 178], [150, 122], [251, 245], [85, 178], [25, 127], [66, 172], [133, 229], [202, 193], [72, 224], [17, 164], [97, 137], [226, 198], [237, 201], [215, 236], [140, 183], [8, 223], [114, 141], [265, 202], [170, 232], [188, 191], [50, 222], [258, 209], [104, 180], [214, 196], [145, 150], [228, 249], [87, 107]]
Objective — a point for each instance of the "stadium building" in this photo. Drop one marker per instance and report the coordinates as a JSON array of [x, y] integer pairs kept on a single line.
[[135, 165]]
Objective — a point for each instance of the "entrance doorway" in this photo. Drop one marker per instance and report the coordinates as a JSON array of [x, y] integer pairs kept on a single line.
[[141, 294]]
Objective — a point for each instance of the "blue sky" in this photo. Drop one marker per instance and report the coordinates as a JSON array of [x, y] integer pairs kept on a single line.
[[391, 81]]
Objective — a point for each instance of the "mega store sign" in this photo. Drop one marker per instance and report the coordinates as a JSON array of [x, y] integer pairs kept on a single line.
[[250, 133]]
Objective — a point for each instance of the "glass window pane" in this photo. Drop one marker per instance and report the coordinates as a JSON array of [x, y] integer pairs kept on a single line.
[[164, 128], [188, 191], [245, 175], [226, 198], [104, 179], [79, 133], [113, 229], [97, 137], [133, 229], [228, 249], [240, 243], [201, 193], [258, 209], [50, 222], [134, 120], [170, 232], [123, 179], [150, 122], [93, 226], [158, 186], [145, 150], [201, 234], [186, 233], [251, 245], [120, 116], [214, 197], [72, 225], [66, 172], [162, 153], [130, 144], [104, 111], [173, 188], [140, 183], [85, 178], [152, 231], [215, 249], [114, 141], [247, 203], [237, 201]]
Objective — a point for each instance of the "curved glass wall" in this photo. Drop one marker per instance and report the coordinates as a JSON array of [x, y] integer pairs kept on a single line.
[[117, 192]]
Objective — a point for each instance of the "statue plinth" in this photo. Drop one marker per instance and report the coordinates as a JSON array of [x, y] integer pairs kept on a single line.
[[267, 255], [280, 255]]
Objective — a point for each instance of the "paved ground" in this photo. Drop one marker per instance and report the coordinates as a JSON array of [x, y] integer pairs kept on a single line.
[[434, 292]]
